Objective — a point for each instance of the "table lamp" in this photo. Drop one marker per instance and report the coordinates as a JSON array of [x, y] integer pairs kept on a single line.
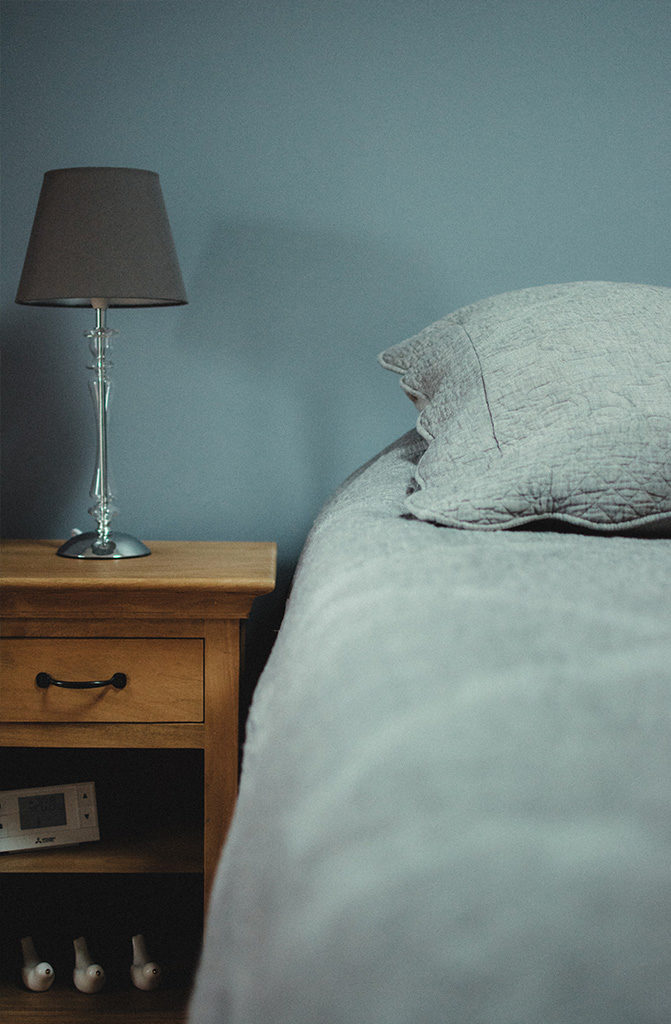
[[101, 238]]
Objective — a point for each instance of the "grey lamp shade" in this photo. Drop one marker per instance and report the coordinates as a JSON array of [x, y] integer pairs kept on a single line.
[[101, 232]]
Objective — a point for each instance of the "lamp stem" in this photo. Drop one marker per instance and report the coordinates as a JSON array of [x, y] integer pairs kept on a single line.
[[103, 509], [104, 542]]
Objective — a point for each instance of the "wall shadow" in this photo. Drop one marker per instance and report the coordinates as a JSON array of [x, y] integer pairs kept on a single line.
[[47, 424], [294, 316]]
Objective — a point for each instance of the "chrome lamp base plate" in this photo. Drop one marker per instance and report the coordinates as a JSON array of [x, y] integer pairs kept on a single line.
[[87, 545]]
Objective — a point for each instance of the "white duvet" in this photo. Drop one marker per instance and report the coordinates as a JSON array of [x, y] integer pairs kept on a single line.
[[455, 805]]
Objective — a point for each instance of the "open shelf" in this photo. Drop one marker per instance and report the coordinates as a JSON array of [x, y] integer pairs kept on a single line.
[[144, 874], [150, 809], [54, 909]]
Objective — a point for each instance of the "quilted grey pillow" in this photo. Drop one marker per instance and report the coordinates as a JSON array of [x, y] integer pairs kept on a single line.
[[550, 403]]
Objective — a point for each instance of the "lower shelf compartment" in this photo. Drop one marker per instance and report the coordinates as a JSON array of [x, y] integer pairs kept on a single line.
[[144, 875], [108, 910], [62, 1006]]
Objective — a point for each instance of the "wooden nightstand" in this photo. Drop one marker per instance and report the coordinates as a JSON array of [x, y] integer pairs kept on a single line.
[[162, 751]]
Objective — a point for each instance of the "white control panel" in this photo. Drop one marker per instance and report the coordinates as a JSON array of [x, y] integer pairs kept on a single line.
[[35, 819]]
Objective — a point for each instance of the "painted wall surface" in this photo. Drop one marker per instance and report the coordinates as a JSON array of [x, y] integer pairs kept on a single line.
[[338, 174]]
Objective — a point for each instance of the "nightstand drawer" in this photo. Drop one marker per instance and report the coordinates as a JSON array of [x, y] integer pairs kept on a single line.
[[163, 680]]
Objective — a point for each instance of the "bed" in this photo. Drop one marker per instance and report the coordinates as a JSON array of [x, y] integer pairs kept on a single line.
[[455, 802]]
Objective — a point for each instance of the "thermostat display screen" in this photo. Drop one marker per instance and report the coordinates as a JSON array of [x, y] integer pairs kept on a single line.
[[43, 811]]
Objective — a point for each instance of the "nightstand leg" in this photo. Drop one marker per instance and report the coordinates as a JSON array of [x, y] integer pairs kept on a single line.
[[222, 664]]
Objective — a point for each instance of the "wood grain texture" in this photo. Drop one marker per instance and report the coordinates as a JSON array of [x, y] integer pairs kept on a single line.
[[61, 1005], [164, 680], [222, 665], [103, 734], [208, 579], [162, 851]]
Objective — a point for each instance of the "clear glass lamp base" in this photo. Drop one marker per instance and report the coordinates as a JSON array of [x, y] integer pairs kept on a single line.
[[89, 545], [103, 542]]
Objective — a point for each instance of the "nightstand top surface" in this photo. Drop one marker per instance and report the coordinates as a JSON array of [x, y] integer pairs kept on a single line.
[[196, 570]]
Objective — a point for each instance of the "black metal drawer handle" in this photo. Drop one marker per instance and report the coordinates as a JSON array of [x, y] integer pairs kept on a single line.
[[118, 680]]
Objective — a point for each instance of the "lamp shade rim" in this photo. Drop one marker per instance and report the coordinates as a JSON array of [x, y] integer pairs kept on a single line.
[[116, 303], [100, 167]]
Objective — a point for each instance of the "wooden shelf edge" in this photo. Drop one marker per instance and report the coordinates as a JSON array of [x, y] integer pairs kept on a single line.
[[161, 853], [138, 735], [63, 1005]]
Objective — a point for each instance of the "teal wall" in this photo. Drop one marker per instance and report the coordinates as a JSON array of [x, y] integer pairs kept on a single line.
[[338, 174]]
